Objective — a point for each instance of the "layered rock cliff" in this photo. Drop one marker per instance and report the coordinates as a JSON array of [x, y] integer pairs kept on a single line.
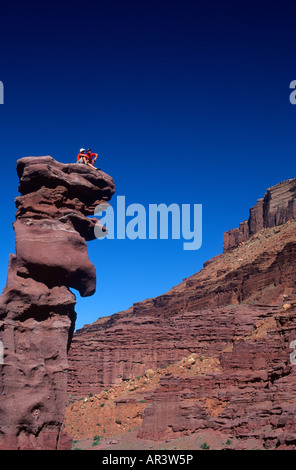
[[250, 396], [155, 332], [276, 207], [37, 314], [230, 313]]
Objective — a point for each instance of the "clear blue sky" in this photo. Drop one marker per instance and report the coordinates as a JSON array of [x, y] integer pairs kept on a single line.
[[186, 102]]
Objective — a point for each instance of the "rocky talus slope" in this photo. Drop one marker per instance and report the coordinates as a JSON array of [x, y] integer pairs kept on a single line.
[[37, 315], [232, 318]]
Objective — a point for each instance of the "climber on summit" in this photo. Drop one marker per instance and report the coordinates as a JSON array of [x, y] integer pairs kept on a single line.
[[91, 157], [81, 157], [87, 157]]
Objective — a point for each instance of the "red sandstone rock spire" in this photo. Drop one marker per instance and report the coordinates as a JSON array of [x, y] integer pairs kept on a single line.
[[37, 313]]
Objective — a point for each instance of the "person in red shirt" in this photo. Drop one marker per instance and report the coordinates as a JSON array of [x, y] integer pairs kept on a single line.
[[91, 157], [81, 157]]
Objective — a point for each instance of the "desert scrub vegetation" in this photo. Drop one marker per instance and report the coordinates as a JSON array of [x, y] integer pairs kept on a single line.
[[96, 441]]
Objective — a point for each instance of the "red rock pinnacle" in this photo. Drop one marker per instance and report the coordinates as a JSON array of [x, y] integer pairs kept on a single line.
[[37, 313]]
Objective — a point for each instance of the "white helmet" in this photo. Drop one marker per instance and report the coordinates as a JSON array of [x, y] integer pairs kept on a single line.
[[82, 150]]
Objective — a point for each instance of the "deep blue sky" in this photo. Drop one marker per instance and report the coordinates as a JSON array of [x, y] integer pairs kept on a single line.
[[186, 101]]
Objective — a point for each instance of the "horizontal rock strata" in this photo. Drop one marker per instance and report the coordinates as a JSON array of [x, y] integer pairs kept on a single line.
[[231, 313], [188, 317], [252, 396], [276, 208]]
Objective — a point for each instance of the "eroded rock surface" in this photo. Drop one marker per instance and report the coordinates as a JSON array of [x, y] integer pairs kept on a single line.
[[276, 208], [37, 314], [250, 396], [237, 313], [193, 316]]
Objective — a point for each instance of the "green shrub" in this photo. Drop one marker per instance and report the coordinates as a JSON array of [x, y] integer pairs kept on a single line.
[[205, 446], [96, 441]]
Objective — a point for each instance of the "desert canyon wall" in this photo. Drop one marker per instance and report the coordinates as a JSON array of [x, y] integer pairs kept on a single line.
[[237, 314], [149, 333], [276, 207]]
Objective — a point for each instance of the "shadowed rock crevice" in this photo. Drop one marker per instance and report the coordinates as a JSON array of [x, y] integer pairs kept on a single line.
[[37, 309]]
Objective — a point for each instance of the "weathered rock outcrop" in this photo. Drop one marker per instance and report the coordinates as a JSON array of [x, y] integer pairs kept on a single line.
[[277, 207], [37, 313]]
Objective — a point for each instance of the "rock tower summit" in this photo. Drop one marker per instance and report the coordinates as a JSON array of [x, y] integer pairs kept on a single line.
[[37, 315]]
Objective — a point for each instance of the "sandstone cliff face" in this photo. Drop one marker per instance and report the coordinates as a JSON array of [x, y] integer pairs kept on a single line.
[[277, 207], [251, 396], [187, 318], [230, 312], [37, 313]]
